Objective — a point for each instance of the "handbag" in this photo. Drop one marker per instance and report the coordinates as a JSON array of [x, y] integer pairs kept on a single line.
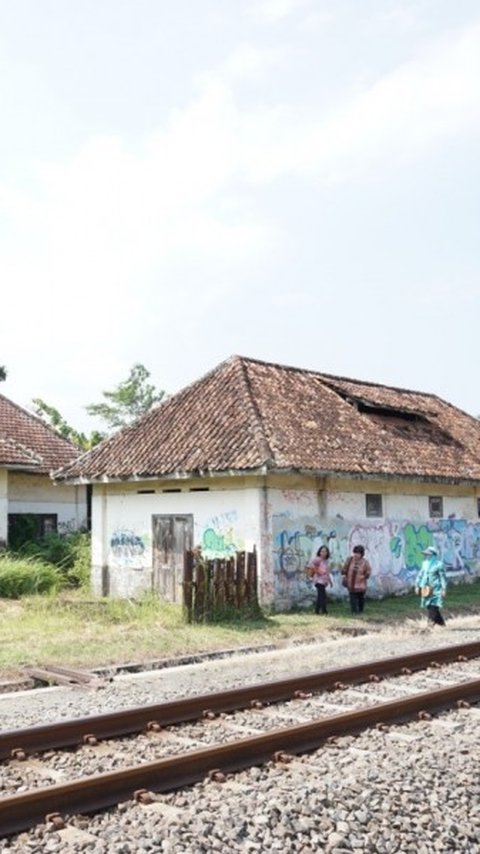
[[426, 591]]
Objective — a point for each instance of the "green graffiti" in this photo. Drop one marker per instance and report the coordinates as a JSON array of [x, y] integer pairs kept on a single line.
[[416, 539], [396, 546], [213, 542]]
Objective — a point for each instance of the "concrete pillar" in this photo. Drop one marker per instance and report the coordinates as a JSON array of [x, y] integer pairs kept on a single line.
[[3, 507]]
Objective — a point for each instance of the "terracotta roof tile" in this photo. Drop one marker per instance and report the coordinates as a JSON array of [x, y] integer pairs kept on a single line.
[[28, 443], [247, 415]]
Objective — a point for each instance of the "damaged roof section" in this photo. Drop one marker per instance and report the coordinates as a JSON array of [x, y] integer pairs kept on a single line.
[[248, 416], [26, 443]]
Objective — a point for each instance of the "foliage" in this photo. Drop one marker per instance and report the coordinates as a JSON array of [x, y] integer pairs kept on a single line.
[[23, 576], [55, 420], [70, 553], [130, 399], [3, 373]]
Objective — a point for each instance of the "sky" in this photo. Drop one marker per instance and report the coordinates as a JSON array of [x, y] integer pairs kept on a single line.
[[289, 180]]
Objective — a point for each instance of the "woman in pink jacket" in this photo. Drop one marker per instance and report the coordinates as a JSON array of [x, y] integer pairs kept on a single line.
[[320, 576]]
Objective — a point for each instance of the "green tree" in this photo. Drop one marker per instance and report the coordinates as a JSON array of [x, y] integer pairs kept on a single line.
[[53, 418], [3, 373], [130, 399]]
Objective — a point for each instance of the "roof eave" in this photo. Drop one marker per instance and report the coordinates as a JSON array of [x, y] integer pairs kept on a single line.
[[268, 468]]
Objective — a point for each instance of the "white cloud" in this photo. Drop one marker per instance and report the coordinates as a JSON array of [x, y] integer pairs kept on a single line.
[[272, 11], [437, 95], [250, 62], [122, 213]]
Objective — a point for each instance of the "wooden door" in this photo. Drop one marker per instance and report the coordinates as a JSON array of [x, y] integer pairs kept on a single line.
[[172, 536]]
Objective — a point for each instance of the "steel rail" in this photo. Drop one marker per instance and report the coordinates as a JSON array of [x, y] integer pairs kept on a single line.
[[89, 794], [117, 724]]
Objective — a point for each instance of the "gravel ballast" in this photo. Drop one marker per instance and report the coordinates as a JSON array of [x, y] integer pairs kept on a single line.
[[413, 788]]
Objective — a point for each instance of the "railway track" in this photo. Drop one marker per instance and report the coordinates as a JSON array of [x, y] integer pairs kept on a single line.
[[275, 721]]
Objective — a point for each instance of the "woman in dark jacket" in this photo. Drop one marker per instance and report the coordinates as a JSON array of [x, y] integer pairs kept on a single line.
[[355, 572]]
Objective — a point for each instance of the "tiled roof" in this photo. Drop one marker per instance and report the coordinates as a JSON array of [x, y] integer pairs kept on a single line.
[[248, 415], [27, 443]]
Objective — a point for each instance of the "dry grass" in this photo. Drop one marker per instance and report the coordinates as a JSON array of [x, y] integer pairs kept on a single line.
[[80, 630]]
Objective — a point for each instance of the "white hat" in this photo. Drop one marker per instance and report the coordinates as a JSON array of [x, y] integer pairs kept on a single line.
[[430, 550]]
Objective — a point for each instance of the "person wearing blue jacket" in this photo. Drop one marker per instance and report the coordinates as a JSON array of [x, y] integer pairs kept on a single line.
[[431, 583]]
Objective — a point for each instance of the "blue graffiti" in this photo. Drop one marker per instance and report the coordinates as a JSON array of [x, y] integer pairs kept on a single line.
[[125, 544]]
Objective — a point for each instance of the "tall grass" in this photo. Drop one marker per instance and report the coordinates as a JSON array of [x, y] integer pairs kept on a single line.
[[24, 576], [75, 628]]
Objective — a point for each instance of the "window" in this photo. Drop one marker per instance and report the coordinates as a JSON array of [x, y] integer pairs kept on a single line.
[[373, 504], [435, 507], [29, 527]]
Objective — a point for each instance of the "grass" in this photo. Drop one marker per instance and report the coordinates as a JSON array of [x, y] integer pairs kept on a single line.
[[78, 630]]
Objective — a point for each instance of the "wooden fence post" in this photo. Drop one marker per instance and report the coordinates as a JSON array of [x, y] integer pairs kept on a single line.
[[188, 585], [212, 586]]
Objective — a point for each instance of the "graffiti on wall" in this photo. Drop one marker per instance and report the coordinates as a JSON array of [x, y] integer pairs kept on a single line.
[[219, 538], [127, 548], [394, 549]]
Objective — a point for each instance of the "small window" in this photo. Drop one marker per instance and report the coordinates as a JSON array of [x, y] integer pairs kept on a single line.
[[373, 504], [29, 527], [435, 507], [145, 492], [171, 490], [199, 489]]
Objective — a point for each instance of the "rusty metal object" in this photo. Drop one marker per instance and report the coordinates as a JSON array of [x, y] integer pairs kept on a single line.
[[56, 820], [282, 757], [18, 754], [216, 776], [52, 674], [24, 810], [128, 721], [90, 739], [144, 796]]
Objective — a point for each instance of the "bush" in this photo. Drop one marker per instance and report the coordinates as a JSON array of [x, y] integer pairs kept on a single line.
[[22, 577], [70, 553]]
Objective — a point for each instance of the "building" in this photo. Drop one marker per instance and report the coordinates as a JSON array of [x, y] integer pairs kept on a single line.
[[262, 455], [29, 499]]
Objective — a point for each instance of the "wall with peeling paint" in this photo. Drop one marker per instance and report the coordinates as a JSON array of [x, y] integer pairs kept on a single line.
[[35, 493], [393, 543], [225, 521], [286, 524], [3, 507]]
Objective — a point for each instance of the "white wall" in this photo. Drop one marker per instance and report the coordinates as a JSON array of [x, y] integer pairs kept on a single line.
[[286, 525], [403, 505], [32, 493], [393, 542], [225, 521], [3, 507]]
